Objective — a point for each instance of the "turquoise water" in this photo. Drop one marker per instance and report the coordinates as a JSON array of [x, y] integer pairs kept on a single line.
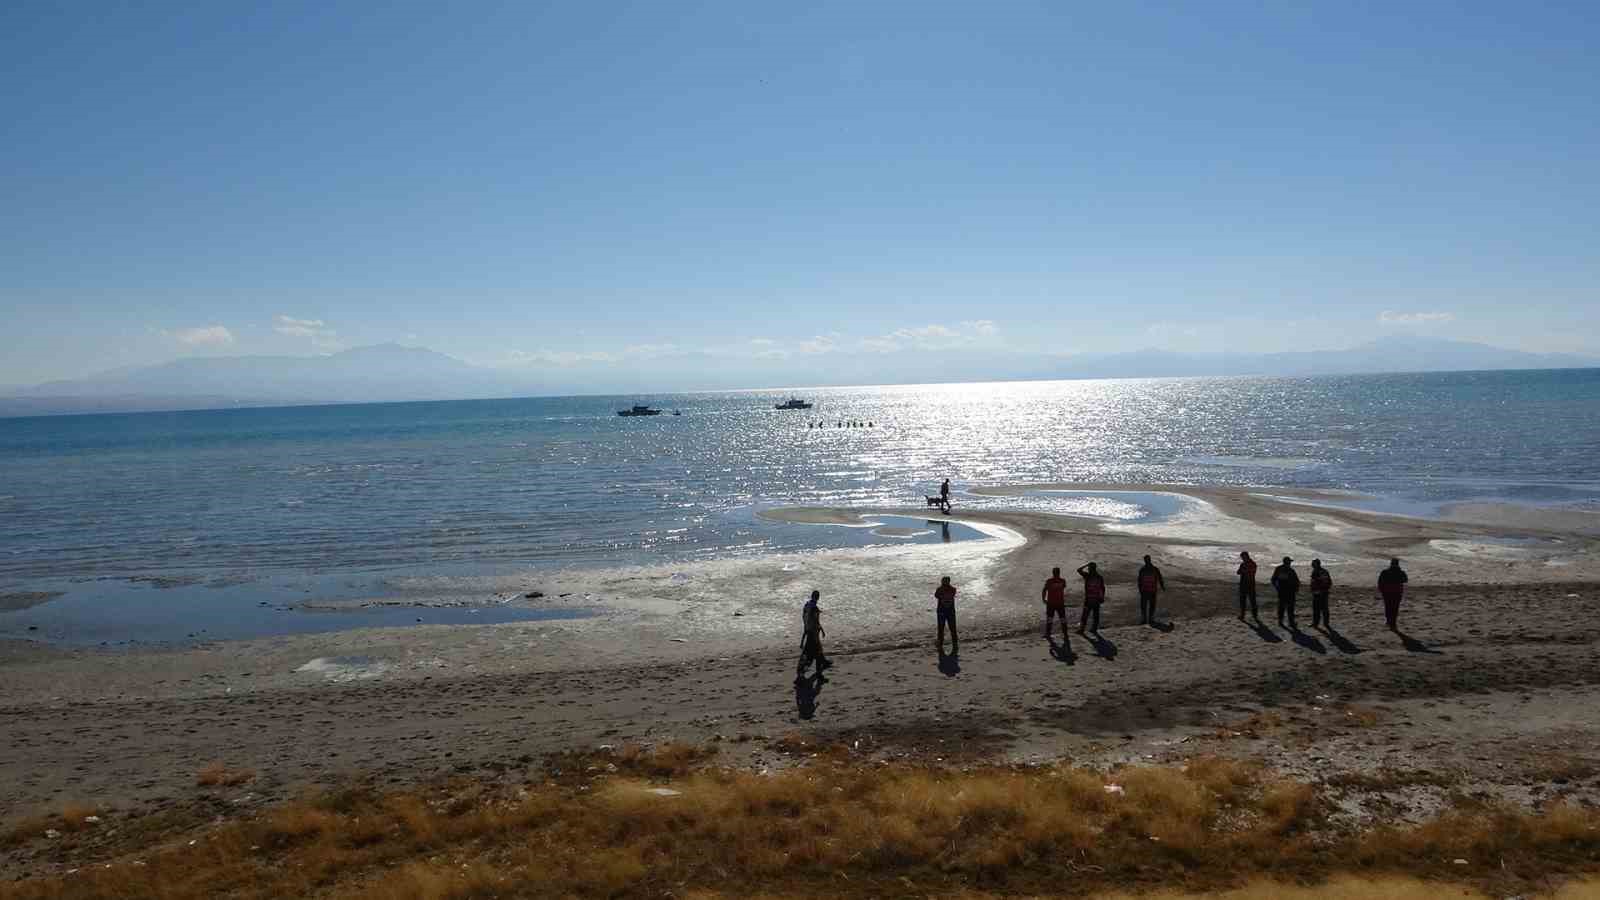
[[504, 485]]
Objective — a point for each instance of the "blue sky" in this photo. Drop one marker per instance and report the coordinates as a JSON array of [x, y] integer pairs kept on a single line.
[[569, 187]]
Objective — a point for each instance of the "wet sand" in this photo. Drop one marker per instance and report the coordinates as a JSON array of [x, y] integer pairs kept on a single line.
[[1494, 677]]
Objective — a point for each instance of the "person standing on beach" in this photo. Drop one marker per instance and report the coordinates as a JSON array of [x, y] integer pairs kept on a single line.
[[1054, 595], [1287, 584], [1094, 594], [1321, 585], [945, 608], [1391, 587], [1150, 581], [1247, 584], [944, 495], [811, 637]]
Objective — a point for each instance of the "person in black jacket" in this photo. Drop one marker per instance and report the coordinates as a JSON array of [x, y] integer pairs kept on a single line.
[[1247, 584], [1321, 585], [811, 637], [1392, 586], [1287, 583]]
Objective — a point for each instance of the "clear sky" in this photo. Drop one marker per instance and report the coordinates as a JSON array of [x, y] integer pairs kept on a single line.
[[592, 184]]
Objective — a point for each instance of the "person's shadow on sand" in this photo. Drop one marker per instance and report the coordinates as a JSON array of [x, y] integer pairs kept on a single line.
[[1341, 642], [1414, 645], [1063, 651], [1103, 647], [806, 691], [1305, 640], [949, 663], [1263, 632]]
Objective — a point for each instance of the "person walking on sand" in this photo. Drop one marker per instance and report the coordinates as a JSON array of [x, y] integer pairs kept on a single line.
[[1094, 594], [945, 608], [944, 496], [1054, 595], [811, 637], [1287, 583], [1391, 587], [1247, 584], [1321, 584], [1150, 581]]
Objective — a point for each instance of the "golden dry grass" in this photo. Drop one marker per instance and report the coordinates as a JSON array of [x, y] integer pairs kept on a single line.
[[72, 817], [845, 829], [1349, 888], [219, 775]]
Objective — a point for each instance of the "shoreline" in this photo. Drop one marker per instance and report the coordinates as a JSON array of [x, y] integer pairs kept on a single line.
[[1508, 649], [1200, 538]]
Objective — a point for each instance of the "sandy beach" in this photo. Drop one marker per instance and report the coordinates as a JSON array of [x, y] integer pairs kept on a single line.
[[1492, 682]]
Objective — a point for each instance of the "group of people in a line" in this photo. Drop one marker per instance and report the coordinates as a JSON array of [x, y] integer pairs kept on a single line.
[[1149, 581], [1286, 583], [1054, 595]]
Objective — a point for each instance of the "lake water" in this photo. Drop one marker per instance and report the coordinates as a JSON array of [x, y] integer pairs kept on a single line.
[[503, 485]]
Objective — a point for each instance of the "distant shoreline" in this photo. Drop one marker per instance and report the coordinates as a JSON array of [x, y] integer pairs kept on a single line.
[[22, 406]]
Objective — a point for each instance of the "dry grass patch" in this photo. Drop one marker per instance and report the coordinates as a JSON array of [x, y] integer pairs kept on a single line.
[[1561, 769], [219, 775], [1350, 888], [1384, 780], [1361, 716], [72, 817], [669, 760], [842, 829]]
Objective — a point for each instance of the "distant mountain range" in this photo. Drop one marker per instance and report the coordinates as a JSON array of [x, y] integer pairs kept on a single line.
[[1396, 353], [388, 372]]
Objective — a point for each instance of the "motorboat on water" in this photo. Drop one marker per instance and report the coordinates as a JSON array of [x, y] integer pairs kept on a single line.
[[639, 411], [793, 403]]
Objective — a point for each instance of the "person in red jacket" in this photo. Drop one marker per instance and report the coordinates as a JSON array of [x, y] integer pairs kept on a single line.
[[1391, 587], [1321, 585], [945, 606], [1094, 594], [1054, 595], [1150, 581], [1247, 584]]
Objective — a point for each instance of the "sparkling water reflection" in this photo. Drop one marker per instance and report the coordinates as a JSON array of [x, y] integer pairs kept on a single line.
[[566, 480]]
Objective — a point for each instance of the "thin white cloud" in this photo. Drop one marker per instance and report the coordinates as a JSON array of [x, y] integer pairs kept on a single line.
[[931, 337], [300, 327], [884, 344], [202, 336], [922, 337], [1390, 317], [924, 333], [561, 358], [822, 343], [314, 330], [651, 351]]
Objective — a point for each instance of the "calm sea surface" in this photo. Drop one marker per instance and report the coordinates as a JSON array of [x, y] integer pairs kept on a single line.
[[458, 486]]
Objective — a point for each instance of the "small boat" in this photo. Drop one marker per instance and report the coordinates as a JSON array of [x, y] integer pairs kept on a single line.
[[677, 412], [639, 411], [793, 403]]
